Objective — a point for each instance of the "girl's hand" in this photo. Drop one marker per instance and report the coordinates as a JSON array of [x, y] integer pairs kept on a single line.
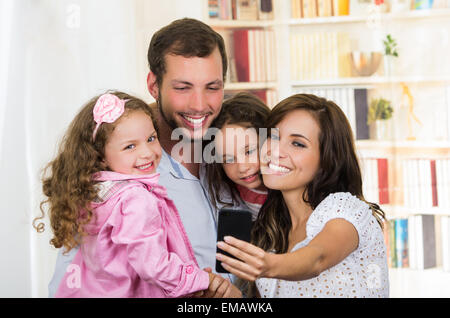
[[252, 262]]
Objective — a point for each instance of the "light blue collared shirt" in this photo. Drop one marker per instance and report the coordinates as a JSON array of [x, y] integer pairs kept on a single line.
[[191, 198]]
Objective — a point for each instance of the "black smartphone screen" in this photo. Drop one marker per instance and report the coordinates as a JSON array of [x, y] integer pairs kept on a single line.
[[236, 223]]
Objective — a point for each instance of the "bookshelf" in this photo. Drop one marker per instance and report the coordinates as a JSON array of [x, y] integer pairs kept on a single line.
[[422, 70]]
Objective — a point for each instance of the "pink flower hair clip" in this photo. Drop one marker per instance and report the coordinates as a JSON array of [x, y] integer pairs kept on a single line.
[[107, 109]]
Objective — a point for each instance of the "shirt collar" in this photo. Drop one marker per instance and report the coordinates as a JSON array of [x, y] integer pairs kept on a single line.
[[176, 169]]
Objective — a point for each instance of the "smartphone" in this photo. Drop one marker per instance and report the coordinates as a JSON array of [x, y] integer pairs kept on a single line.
[[236, 223]]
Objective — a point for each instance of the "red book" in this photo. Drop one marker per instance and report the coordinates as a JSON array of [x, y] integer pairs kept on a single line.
[[241, 55], [383, 182], [261, 94], [433, 182]]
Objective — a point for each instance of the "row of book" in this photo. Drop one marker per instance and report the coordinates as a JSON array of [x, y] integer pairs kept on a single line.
[[375, 178], [240, 9], [352, 101], [426, 182], [251, 55], [318, 8], [268, 96], [328, 8], [320, 55], [418, 242]]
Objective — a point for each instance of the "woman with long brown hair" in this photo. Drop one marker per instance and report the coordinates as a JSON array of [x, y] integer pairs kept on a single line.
[[315, 235]]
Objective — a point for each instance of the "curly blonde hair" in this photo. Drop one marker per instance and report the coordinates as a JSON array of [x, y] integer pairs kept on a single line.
[[70, 187]]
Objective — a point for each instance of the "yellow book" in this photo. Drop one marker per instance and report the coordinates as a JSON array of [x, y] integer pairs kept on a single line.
[[341, 7]]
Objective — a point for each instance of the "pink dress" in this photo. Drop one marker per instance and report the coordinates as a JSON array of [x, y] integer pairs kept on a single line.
[[136, 247]]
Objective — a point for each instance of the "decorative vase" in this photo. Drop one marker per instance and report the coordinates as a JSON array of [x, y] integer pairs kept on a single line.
[[389, 65], [381, 130]]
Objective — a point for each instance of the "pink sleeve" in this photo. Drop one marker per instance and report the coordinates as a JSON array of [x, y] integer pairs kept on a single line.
[[139, 226]]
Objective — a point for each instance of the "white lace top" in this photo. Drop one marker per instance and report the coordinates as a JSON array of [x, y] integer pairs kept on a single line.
[[363, 273]]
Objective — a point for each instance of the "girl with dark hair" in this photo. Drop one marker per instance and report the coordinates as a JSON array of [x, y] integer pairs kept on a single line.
[[315, 235], [235, 174]]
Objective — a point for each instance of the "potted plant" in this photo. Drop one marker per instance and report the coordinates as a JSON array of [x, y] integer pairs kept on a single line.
[[379, 112], [390, 52]]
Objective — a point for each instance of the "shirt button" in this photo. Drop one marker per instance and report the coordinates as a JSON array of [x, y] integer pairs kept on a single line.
[[189, 269]]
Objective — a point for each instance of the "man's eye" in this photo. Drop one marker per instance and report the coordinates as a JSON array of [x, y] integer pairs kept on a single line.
[[130, 146]]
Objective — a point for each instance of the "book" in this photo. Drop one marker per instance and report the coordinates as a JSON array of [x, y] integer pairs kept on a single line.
[[265, 11], [392, 261], [445, 231], [401, 243], [400, 5], [424, 233], [434, 194], [360, 7], [386, 232], [213, 9], [361, 110], [241, 55], [341, 7], [247, 10], [412, 242], [342, 51], [296, 9], [442, 182], [383, 180], [324, 8], [309, 8]]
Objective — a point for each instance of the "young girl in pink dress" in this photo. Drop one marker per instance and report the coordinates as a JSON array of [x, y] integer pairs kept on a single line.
[[103, 194]]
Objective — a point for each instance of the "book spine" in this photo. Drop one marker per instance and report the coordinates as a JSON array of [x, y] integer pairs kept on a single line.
[[445, 230], [392, 245], [361, 109], [213, 9], [401, 241], [434, 183], [383, 181], [241, 55], [428, 241]]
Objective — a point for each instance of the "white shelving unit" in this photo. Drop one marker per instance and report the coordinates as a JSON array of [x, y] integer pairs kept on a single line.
[[423, 72]]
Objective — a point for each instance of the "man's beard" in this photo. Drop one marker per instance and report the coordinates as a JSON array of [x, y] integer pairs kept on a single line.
[[170, 122]]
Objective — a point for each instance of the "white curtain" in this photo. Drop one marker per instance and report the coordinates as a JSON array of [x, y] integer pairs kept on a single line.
[[55, 55]]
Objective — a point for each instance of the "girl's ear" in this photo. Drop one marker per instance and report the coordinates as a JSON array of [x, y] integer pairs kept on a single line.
[[152, 85]]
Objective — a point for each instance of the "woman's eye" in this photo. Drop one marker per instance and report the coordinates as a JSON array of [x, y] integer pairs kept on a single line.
[[250, 151], [130, 146], [298, 144], [151, 138]]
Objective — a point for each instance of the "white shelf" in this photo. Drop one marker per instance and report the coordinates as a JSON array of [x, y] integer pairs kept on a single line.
[[237, 24], [370, 80], [251, 86], [410, 283], [419, 145], [413, 14], [397, 211]]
